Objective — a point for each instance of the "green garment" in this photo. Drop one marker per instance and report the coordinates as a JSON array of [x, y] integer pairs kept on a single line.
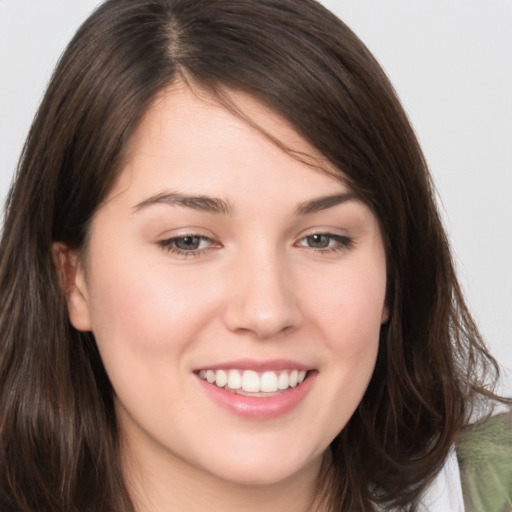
[[484, 451]]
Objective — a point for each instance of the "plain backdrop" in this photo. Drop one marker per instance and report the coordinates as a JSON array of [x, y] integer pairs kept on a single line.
[[451, 64]]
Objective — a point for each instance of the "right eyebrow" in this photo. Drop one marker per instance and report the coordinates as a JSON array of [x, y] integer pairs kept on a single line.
[[196, 202]]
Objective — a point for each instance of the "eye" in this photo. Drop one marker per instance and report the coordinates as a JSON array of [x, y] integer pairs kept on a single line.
[[325, 242], [188, 245]]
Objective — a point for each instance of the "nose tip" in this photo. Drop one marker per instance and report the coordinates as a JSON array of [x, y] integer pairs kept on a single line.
[[262, 302], [262, 324]]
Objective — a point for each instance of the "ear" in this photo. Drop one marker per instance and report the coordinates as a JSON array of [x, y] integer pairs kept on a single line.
[[72, 281], [385, 315]]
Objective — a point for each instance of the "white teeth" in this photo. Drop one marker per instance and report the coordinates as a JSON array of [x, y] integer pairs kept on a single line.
[[283, 382], [250, 381], [268, 382], [221, 378], [234, 379]]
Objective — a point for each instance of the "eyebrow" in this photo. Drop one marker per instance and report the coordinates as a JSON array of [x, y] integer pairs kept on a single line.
[[196, 202], [220, 206], [325, 202]]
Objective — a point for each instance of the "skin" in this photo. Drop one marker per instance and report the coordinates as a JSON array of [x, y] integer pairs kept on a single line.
[[258, 287]]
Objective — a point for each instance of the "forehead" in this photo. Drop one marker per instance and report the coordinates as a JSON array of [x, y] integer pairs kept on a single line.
[[193, 139], [191, 104]]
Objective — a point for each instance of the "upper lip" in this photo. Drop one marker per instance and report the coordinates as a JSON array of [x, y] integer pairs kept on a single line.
[[257, 366]]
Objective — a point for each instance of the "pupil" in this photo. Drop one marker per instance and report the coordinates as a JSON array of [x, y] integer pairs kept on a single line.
[[187, 243], [318, 241]]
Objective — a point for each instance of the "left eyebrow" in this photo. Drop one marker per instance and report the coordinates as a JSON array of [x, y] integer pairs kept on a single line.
[[325, 202], [195, 202]]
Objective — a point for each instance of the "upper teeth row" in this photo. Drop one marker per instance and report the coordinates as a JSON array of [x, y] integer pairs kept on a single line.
[[253, 382]]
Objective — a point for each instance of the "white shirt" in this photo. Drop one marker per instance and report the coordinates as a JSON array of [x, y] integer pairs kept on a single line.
[[444, 494]]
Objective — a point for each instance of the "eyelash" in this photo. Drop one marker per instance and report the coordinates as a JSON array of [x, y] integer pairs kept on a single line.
[[341, 243], [169, 245]]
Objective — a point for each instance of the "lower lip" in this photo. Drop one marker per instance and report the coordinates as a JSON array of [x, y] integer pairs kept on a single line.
[[263, 407]]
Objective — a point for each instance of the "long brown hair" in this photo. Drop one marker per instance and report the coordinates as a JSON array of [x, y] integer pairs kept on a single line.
[[58, 439]]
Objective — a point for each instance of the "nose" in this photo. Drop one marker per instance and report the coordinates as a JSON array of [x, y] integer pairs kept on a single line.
[[262, 300]]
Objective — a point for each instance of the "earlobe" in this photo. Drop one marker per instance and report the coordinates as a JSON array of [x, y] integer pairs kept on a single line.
[[385, 315], [72, 282]]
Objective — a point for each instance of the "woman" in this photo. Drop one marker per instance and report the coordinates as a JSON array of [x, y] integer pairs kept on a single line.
[[224, 280]]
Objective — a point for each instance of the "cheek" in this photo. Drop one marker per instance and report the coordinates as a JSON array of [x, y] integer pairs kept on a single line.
[[144, 323], [352, 331], [350, 310], [348, 315], [149, 311]]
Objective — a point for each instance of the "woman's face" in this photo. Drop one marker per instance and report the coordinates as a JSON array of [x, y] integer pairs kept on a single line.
[[219, 261]]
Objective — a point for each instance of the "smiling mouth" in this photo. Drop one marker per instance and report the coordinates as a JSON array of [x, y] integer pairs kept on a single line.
[[252, 383]]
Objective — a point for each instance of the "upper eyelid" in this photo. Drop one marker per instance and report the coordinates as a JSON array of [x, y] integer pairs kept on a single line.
[[168, 245], [183, 232], [334, 236], [335, 229], [187, 235], [325, 230]]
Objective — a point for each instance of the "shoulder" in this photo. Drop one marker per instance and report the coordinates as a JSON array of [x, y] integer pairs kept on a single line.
[[484, 452]]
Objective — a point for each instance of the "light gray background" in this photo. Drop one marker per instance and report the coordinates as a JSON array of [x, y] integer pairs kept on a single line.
[[451, 64]]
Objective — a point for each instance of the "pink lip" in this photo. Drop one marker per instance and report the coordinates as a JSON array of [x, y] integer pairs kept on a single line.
[[259, 408], [257, 366]]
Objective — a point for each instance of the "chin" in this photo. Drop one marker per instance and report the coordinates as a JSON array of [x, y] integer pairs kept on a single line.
[[274, 468]]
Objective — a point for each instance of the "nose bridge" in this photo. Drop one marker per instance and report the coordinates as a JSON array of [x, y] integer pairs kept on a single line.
[[263, 301]]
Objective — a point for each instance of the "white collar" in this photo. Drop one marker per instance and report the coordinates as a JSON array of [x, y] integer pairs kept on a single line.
[[445, 492]]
